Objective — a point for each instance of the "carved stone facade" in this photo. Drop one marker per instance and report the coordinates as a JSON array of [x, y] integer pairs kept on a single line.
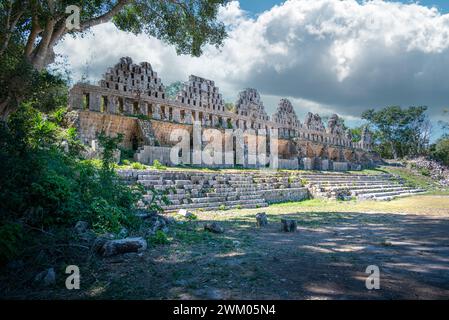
[[135, 91]]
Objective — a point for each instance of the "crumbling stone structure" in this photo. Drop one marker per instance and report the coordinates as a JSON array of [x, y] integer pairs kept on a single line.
[[131, 99]]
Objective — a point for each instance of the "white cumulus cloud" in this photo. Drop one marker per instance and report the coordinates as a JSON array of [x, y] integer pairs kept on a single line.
[[325, 55]]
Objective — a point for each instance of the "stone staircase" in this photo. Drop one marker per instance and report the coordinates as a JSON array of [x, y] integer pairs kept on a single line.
[[360, 186], [200, 190], [211, 191]]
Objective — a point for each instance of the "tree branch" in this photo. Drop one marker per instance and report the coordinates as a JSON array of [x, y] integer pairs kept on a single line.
[[35, 30], [10, 26], [106, 16]]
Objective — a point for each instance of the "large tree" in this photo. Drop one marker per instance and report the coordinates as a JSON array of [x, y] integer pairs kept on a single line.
[[32, 28], [400, 132]]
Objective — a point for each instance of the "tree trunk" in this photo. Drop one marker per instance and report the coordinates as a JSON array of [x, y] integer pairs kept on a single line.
[[6, 108], [394, 151]]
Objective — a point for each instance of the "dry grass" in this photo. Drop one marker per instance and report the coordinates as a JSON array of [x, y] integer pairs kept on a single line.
[[431, 204]]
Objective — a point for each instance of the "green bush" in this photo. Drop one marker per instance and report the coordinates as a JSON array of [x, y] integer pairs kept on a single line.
[[158, 238], [10, 236], [137, 166], [42, 185], [159, 166], [424, 171], [440, 151]]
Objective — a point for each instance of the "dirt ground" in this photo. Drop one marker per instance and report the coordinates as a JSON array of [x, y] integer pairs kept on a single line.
[[326, 258]]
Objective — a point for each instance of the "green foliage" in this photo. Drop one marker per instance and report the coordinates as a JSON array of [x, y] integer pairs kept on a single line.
[[10, 236], [137, 166], [172, 89], [399, 132], [192, 217], [42, 186], [20, 82], [230, 106], [159, 166], [158, 198], [222, 207], [356, 133], [440, 151], [158, 238], [188, 25]]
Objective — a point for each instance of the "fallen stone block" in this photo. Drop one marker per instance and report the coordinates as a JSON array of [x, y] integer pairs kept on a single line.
[[115, 247], [185, 213], [213, 227], [46, 278], [289, 225], [261, 219]]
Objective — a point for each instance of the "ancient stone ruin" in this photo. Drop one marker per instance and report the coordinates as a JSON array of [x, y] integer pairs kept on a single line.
[[131, 99]]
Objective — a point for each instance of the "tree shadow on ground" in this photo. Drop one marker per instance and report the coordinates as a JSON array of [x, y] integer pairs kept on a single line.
[[325, 259]]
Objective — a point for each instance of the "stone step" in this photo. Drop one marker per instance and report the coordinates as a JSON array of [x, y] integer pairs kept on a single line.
[[389, 194], [346, 182], [358, 187], [408, 194], [217, 205], [379, 190], [350, 178]]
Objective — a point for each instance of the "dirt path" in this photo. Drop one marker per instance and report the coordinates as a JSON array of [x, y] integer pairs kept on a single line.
[[325, 259]]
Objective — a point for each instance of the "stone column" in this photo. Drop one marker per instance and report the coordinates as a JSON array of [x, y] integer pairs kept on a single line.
[[94, 101], [75, 99], [112, 104], [188, 117], [176, 115], [157, 112]]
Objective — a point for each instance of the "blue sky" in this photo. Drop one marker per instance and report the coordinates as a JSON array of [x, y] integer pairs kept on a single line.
[[257, 6], [326, 56]]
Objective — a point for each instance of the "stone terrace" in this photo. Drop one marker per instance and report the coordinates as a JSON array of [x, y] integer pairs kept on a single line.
[[360, 186], [255, 189]]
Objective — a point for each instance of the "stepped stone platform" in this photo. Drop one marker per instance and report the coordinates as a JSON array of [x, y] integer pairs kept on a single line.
[[233, 189], [360, 186], [211, 191]]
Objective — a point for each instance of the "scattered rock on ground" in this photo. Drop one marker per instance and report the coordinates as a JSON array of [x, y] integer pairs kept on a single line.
[[213, 227], [158, 223], [115, 247], [123, 233], [101, 240], [81, 227], [185, 213], [46, 278], [261, 219], [289, 225], [432, 168]]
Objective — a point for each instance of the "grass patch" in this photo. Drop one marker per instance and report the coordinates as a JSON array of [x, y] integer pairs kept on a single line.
[[412, 179]]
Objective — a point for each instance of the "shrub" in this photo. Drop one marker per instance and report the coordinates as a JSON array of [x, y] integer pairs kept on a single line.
[[440, 151], [10, 236], [158, 238], [424, 172], [222, 207], [137, 166], [51, 187], [159, 166]]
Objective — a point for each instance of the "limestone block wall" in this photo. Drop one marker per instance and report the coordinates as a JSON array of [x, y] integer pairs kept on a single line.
[[92, 123], [163, 129], [292, 194], [130, 90]]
